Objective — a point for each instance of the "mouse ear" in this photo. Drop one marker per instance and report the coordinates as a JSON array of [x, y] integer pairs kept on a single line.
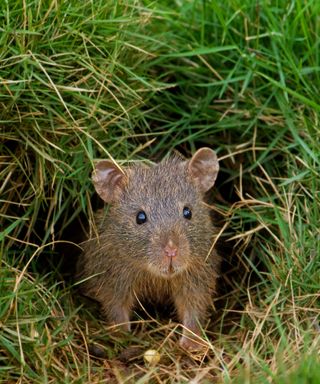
[[107, 178], [203, 168]]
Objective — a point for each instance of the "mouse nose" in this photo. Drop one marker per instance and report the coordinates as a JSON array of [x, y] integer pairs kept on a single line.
[[171, 250]]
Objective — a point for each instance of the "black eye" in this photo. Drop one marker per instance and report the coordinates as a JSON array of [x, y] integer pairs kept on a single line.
[[187, 214], [141, 217]]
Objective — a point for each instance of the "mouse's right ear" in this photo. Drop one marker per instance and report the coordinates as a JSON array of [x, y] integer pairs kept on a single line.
[[203, 168], [107, 179]]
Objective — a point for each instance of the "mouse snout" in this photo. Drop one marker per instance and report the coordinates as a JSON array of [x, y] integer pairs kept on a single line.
[[169, 252], [171, 249]]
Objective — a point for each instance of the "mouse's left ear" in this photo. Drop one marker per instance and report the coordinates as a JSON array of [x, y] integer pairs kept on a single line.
[[203, 168]]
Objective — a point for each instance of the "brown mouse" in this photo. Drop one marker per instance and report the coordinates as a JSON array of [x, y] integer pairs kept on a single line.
[[154, 240]]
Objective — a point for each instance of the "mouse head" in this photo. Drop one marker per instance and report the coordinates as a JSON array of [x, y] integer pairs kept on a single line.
[[159, 210]]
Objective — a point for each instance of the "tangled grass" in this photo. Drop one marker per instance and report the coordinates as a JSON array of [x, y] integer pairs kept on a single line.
[[133, 80]]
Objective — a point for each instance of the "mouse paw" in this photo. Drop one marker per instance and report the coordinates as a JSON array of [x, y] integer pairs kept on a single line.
[[191, 344]]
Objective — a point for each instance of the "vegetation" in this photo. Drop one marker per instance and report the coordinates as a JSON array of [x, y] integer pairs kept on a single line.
[[134, 80]]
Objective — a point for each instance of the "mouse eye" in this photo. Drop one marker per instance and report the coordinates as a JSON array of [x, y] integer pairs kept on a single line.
[[141, 217], [187, 214]]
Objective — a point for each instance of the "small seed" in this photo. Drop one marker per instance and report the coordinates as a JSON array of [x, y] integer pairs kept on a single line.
[[151, 357]]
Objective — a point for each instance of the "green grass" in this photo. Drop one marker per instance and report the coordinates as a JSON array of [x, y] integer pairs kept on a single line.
[[134, 80]]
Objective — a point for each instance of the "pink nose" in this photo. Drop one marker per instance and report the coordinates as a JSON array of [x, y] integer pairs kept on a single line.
[[170, 249]]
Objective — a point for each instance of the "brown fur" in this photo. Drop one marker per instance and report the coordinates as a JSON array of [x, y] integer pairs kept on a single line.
[[129, 261]]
